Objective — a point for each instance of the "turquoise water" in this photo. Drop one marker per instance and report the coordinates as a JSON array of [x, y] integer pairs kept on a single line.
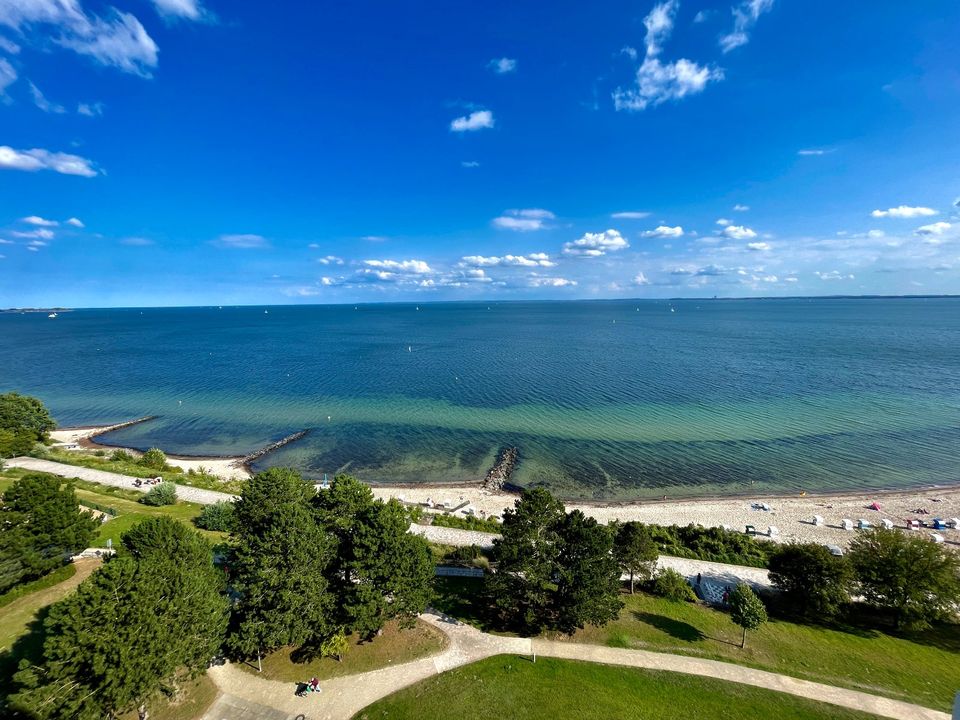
[[604, 399]]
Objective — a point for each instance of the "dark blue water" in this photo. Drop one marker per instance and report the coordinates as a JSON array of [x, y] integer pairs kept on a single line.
[[604, 399]]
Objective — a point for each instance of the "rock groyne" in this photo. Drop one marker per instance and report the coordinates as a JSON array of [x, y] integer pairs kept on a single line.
[[499, 476]]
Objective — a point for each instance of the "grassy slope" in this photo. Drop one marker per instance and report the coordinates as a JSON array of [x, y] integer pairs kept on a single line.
[[393, 647], [508, 686], [913, 669], [190, 704]]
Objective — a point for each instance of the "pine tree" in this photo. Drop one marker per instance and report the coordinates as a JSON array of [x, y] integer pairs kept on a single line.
[[636, 551], [588, 585]]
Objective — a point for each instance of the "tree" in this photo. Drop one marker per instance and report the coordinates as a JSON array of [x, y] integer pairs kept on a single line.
[[153, 459], [671, 585], [527, 552], [919, 581], [636, 552], [24, 421], [746, 610], [815, 583], [218, 516], [279, 568], [148, 618], [381, 571], [42, 526], [335, 646], [588, 576], [163, 494]]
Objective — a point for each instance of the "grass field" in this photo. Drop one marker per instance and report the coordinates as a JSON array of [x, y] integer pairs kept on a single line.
[[393, 647], [924, 669], [190, 703], [49, 580], [514, 687]]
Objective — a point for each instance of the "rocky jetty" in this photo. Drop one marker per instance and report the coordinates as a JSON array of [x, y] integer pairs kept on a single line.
[[499, 476], [247, 459]]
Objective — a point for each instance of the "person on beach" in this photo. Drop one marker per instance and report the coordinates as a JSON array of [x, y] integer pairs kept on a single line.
[[314, 685]]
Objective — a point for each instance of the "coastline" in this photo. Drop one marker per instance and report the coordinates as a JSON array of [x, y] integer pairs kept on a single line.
[[791, 513]]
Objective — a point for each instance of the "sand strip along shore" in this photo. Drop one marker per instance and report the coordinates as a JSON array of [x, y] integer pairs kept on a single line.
[[791, 515]]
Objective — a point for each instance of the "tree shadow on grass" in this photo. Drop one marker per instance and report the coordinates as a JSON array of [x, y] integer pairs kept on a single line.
[[674, 628], [26, 647]]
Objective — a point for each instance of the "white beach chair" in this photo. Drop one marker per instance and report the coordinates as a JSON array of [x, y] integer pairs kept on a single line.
[[846, 524], [863, 524], [818, 520], [936, 537], [954, 523], [888, 524], [773, 531], [913, 525]]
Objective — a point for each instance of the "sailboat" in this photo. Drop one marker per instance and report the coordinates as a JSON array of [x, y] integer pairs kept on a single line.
[[52, 315]]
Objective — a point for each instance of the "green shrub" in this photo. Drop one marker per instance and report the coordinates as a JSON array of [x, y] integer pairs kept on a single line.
[[100, 453], [121, 456], [153, 459], [672, 585], [163, 494], [218, 516], [469, 522], [102, 508], [712, 544]]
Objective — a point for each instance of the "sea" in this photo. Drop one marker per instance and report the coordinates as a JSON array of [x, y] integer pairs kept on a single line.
[[605, 400]]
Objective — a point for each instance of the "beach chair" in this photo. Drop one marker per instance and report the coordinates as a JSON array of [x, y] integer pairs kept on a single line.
[[846, 524], [936, 537], [913, 524], [863, 524], [773, 531], [834, 550], [939, 524], [750, 530], [888, 524], [954, 523], [818, 520]]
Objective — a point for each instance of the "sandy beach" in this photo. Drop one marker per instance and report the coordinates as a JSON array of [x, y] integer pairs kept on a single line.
[[791, 515], [229, 468]]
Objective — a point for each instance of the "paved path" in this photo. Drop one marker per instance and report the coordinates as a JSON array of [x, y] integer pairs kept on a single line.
[[184, 492], [343, 697]]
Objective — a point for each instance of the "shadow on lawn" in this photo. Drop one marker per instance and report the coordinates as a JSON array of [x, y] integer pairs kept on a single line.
[[26, 647], [674, 628]]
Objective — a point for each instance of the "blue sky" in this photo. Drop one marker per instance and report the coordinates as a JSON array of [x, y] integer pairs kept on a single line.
[[157, 152]]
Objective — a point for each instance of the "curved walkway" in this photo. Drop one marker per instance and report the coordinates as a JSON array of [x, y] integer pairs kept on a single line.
[[343, 697]]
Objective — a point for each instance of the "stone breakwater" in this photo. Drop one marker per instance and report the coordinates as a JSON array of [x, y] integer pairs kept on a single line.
[[246, 460], [499, 476]]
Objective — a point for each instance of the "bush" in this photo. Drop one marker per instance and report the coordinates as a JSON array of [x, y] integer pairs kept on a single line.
[[673, 586], [468, 522], [467, 556], [121, 456], [218, 516], [153, 459], [712, 544], [163, 494], [814, 583]]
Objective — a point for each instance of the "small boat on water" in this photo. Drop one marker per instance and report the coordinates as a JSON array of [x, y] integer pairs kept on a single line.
[[52, 315]]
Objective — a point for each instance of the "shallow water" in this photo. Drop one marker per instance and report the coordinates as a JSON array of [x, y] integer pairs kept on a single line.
[[604, 399]]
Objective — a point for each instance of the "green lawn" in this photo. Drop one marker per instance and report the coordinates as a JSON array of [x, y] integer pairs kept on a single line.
[[393, 647], [190, 703], [509, 686], [923, 669]]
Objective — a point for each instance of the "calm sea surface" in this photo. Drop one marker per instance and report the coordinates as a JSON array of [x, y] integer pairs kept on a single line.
[[611, 399]]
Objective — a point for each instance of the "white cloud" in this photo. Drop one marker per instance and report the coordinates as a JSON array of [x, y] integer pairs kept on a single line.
[[414, 267], [502, 66], [745, 16], [630, 215], [39, 159], [119, 40], [740, 208], [477, 120], [39, 221], [904, 211], [758, 246], [188, 9], [8, 76], [664, 231], [596, 244], [37, 244], [75, 222], [136, 241], [374, 238], [813, 151], [9, 46], [538, 281], [640, 279], [833, 275], [330, 260], [702, 16], [931, 233], [38, 233], [659, 24], [531, 260], [739, 232], [6, 242], [41, 102], [90, 109], [313, 246], [469, 163], [243, 241], [658, 82], [723, 222], [523, 220]]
